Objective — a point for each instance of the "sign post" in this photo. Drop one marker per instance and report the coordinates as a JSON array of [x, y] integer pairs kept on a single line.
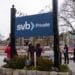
[[56, 35], [12, 34]]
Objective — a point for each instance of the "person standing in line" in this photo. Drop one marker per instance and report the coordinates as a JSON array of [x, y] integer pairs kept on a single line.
[[66, 57]]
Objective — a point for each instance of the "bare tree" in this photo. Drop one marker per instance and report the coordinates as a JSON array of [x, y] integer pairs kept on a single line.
[[67, 13]]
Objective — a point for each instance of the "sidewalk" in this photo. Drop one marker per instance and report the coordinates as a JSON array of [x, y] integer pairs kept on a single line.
[[71, 66]]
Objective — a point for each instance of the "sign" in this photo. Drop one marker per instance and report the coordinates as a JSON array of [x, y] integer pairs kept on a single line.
[[34, 25]]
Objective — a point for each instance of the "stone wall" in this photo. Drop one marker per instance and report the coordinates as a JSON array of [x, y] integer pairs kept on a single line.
[[5, 71]]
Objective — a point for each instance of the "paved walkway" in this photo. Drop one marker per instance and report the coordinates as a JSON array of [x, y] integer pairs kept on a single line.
[[71, 66]]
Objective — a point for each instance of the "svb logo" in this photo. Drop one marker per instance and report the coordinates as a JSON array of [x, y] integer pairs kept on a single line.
[[25, 26]]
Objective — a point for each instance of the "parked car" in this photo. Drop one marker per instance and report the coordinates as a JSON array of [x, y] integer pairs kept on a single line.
[[48, 52]]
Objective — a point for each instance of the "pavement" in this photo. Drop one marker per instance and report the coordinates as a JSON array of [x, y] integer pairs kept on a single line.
[[71, 66]]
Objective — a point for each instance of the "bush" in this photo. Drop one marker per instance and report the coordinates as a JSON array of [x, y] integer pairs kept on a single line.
[[44, 64], [6, 66], [63, 68], [16, 63], [34, 68]]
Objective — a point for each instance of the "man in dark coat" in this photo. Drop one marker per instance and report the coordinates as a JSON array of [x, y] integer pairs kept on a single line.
[[66, 57]]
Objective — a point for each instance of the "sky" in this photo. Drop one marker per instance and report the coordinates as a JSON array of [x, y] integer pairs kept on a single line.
[[26, 7]]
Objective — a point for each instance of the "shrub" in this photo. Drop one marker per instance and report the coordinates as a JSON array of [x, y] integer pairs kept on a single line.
[[34, 68], [44, 64], [16, 63], [6, 66], [63, 68]]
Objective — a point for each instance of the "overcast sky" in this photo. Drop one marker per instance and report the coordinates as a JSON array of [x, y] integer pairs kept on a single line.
[[27, 7]]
